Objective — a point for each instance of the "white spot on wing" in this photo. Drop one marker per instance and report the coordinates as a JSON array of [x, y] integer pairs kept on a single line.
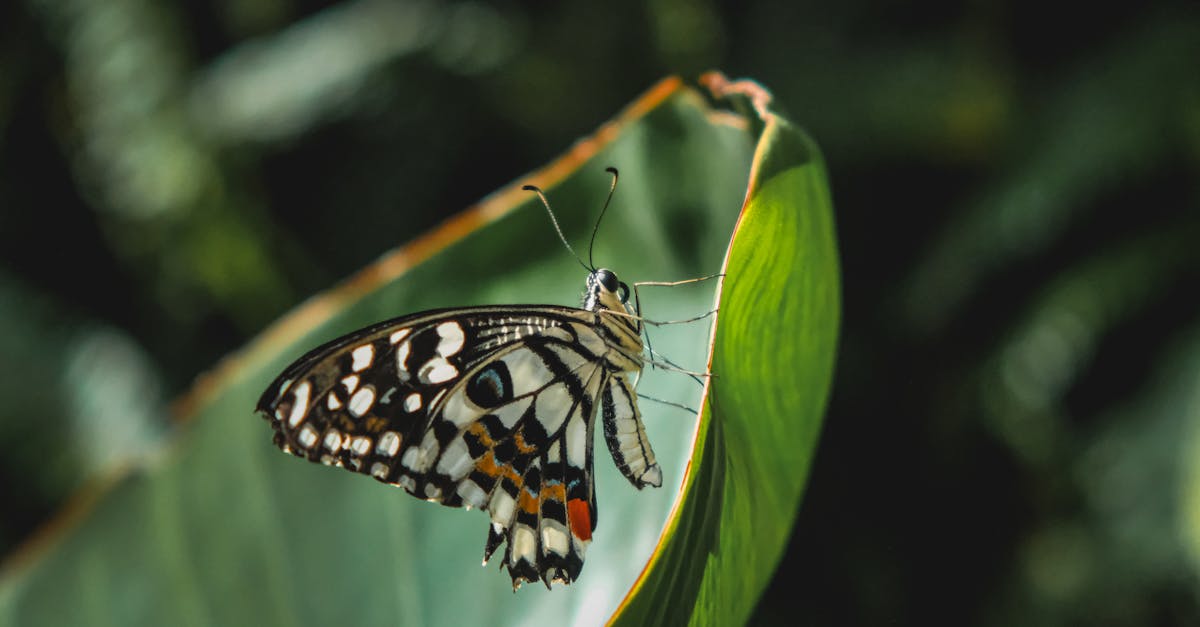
[[452, 338], [283, 388], [350, 383], [333, 440], [399, 335], [379, 470], [389, 443], [412, 402], [410, 458], [402, 352], [361, 402], [299, 404], [362, 357], [577, 441], [523, 544], [360, 445], [332, 401], [437, 370], [456, 460], [426, 452], [501, 507], [472, 495], [554, 537], [308, 436]]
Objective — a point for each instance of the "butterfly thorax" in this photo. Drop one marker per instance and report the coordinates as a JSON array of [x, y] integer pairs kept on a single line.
[[608, 297]]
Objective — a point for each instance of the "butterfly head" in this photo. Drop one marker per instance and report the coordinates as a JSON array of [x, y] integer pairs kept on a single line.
[[605, 291]]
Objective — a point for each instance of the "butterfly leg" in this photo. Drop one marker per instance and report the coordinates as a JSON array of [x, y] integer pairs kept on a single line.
[[666, 402], [637, 302], [675, 283], [657, 359]]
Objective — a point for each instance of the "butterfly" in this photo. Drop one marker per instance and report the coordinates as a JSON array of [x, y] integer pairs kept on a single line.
[[487, 407]]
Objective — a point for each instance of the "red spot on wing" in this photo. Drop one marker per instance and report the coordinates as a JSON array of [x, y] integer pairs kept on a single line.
[[580, 517]]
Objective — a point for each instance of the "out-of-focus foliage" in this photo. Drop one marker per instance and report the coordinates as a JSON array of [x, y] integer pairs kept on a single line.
[[1013, 429]]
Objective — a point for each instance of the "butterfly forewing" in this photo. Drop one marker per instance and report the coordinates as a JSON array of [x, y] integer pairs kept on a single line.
[[487, 407]]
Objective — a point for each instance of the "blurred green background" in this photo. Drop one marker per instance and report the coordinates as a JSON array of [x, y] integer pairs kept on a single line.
[[1014, 434]]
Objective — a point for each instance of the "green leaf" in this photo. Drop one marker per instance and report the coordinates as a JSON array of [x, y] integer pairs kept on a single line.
[[773, 359], [222, 528]]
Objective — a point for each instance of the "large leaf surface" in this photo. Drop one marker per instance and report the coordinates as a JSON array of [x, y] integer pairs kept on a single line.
[[773, 357], [224, 529]]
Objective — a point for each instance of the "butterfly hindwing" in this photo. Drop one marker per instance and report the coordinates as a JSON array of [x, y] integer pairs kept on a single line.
[[548, 505]]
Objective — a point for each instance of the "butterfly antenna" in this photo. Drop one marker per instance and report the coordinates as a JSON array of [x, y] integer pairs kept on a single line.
[[554, 220], [613, 188]]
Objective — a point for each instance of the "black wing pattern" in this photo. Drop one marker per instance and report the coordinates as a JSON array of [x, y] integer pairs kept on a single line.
[[485, 407]]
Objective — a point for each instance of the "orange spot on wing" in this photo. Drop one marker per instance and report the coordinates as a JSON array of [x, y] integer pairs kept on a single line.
[[528, 502], [481, 432], [555, 492], [522, 445], [579, 516], [487, 465]]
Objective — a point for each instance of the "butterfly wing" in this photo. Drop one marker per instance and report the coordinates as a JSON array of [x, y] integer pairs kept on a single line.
[[485, 407]]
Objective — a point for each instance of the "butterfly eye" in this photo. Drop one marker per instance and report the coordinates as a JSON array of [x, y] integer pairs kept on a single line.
[[607, 279], [624, 293], [491, 387]]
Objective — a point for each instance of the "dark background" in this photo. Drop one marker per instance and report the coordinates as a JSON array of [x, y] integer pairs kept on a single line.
[[1012, 437]]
